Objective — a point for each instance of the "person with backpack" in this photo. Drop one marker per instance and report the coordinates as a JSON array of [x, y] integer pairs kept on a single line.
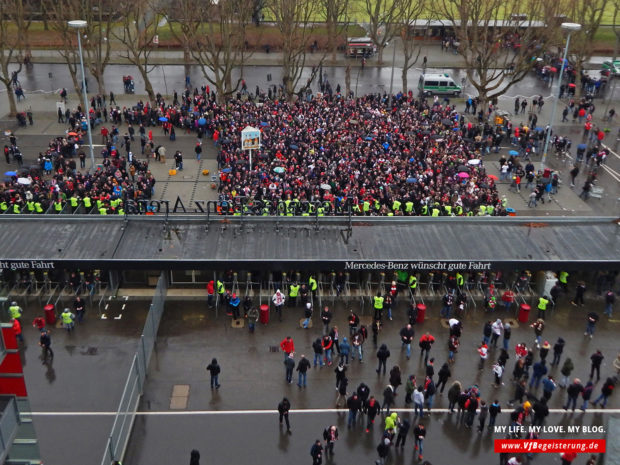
[[214, 369], [382, 355], [283, 408], [316, 451], [606, 391]]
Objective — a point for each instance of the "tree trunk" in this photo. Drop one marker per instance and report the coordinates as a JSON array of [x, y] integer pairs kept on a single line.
[[404, 74], [148, 87], [98, 75], [11, 96], [187, 59], [331, 39], [380, 54], [347, 81]]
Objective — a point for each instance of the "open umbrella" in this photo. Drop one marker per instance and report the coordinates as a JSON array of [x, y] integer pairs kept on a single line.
[[202, 121], [493, 177], [463, 175], [72, 134], [226, 170], [163, 119], [24, 181], [571, 85], [10, 173], [278, 169], [326, 187], [368, 138], [474, 162], [446, 122], [412, 180], [462, 169], [514, 153], [264, 123], [294, 147], [553, 69], [580, 147]]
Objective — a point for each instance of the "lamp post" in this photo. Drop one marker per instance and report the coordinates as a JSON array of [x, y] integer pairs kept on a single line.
[[81, 24], [570, 27]]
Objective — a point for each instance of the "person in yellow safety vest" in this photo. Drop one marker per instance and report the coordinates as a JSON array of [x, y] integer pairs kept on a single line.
[[220, 287], [103, 211], [413, 283], [435, 211], [57, 206], [67, 319], [74, 201], [87, 202], [377, 205], [563, 278], [448, 210], [424, 210], [30, 206], [120, 211], [396, 205], [4, 206], [366, 207], [378, 303], [313, 285], [409, 207], [482, 210], [459, 279], [470, 213], [99, 204], [504, 201], [458, 210], [293, 292], [38, 207], [542, 306], [490, 209], [16, 208], [15, 312], [320, 211], [312, 208], [356, 208]]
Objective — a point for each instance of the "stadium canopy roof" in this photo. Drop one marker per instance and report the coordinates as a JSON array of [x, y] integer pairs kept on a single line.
[[369, 243]]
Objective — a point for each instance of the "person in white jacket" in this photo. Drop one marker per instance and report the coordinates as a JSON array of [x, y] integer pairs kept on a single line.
[[497, 329], [278, 302]]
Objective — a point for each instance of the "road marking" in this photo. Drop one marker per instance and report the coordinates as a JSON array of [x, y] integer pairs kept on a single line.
[[611, 151], [612, 172], [269, 412], [104, 316], [118, 317], [106, 306], [123, 307]]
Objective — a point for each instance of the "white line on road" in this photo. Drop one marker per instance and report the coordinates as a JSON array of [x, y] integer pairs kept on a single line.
[[613, 173], [268, 412], [611, 151]]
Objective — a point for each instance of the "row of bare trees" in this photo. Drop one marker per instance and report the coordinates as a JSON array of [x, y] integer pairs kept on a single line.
[[213, 34]]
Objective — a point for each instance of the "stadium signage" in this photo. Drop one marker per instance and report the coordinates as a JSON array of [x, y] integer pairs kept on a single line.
[[26, 265], [439, 265]]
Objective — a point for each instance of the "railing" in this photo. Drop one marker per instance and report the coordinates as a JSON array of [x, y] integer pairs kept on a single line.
[[128, 406], [9, 422]]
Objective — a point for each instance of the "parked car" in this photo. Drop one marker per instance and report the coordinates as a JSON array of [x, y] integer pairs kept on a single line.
[[612, 67]]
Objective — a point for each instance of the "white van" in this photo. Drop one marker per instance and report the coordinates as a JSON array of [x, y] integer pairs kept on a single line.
[[440, 84]]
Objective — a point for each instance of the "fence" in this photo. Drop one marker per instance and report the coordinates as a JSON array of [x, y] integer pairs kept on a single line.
[[9, 422], [128, 406]]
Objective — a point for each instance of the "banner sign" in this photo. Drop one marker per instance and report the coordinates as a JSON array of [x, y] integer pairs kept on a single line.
[[250, 138]]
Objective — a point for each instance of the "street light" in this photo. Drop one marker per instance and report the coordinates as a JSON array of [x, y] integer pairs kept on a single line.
[[81, 24], [570, 27]]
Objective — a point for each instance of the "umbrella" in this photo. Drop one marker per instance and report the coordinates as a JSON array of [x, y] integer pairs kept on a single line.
[[553, 69], [436, 136], [493, 177], [456, 129], [463, 175], [294, 147], [278, 169], [571, 85], [446, 121], [353, 121], [72, 133], [514, 153], [196, 113], [264, 123], [226, 170], [163, 119], [326, 187], [368, 138], [539, 129], [474, 162], [412, 180], [462, 169], [202, 121], [10, 173], [24, 181], [580, 147]]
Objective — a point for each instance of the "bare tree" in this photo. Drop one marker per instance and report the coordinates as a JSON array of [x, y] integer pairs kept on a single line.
[[184, 24], [496, 41], [138, 27], [383, 21], [99, 15], [13, 36], [589, 14], [335, 15], [293, 19], [219, 42], [411, 12], [616, 28]]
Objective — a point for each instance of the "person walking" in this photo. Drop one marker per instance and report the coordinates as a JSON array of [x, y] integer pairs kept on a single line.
[[453, 395], [288, 346], [606, 391], [586, 394], [471, 405], [278, 302], [283, 408], [543, 301], [17, 330], [487, 331], [610, 298], [354, 404], [358, 344], [318, 353], [395, 378], [194, 458], [316, 451], [566, 370], [388, 398], [549, 386], [372, 408], [406, 337], [403, 429], [45, 341], [382, 355], [538, 371], [354, 322], [335, 335], [289, 365], [541, 411], [453, 347], [539, 327], [418, 401], [596, 359], [214, 370], [426, 342], [520, 390], [507, 334], [80, 308], [591, 320], [579, 292], [443, 375], [253, 317], [497, 327], [383, 449], [343, 384], [558, 348], [572, 392], [482, 416], [483, 352], [330, 436], [344, 350], [326, 318], [498, 371], [327, 344], [302, 369], [341, 373], [494, 410], [68, 320], [15, 312], [419, 434]]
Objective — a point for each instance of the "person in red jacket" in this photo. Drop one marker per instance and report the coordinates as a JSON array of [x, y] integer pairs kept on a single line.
[[288, 346], [327, 344], [17, 329], [210, 293]]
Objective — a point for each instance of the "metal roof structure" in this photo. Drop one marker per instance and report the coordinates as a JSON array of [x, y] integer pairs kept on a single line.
[[367, 243]]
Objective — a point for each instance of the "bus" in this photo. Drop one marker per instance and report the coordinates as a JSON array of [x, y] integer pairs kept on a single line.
[[360, 47]]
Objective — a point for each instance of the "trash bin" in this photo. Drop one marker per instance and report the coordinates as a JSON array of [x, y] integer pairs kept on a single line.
[[524, 313], [50, 314], [264, 314], [421, 312]]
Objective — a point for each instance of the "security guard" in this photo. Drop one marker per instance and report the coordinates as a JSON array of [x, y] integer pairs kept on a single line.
[[563, 278], [313, 285], [448, 210], [459, 280], [15, 312], [221, 290], [38, 207], [542, 306], [293, 292], [396, 205], [4, 206], [57, 206], [366, 207], [30, 206], [74, 202], [424, 210], [87, 202], [413, 283], [103, 210], [409, 207], [435, 211], [378, 303], [67, 319], [16, 209]]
